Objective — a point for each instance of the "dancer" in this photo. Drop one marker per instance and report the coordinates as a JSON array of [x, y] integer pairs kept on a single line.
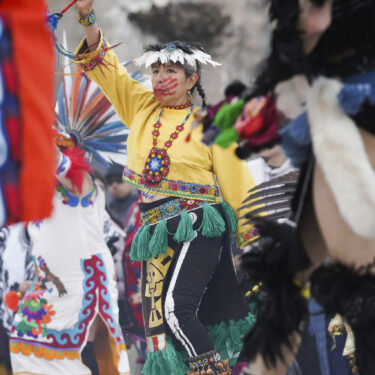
[[192, 304], [67, 321], [335, 210]]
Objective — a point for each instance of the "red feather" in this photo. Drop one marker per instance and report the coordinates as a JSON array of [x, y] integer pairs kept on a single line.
[[79, 168]]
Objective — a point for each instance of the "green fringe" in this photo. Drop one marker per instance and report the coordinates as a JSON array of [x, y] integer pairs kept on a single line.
[[140, 245], [185, 231], [134, 248], [143, 243], [231, 216], [159, 241], [213, 224], [228, 338], [166, 362]]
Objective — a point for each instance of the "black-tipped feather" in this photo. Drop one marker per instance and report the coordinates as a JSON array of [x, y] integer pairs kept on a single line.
[[281, 308]]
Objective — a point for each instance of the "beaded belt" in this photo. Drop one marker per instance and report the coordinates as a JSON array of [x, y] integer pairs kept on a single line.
[[169, 209]]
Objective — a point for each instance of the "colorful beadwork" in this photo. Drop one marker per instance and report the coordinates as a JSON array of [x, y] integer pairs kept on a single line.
[[169, 209], [89, 20], [247, 237], [96, 58], [158, 161], [210, 193], [203, 361], [182, 106]]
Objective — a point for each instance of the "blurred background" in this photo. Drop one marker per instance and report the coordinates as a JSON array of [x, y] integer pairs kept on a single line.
[[234, 32]]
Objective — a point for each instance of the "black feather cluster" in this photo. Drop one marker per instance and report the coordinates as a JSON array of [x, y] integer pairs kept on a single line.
[[281, 308], [350, 293]]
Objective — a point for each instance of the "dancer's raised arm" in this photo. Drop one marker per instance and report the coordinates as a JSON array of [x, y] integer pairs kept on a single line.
[[92, 32], [97, 59]]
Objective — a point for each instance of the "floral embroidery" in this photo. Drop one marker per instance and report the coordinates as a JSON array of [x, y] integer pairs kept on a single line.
[[66, 343], [169, 209], [35, 314], [187, 190]]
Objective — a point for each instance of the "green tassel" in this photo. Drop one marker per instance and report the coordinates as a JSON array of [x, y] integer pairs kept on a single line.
[[143, 243], [159, 241], [227, 137], [185, 231], [134, 248], [140, 250], [213, 224], [231, 216]]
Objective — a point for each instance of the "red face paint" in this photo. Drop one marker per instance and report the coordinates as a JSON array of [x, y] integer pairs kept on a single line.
[[165, 88]]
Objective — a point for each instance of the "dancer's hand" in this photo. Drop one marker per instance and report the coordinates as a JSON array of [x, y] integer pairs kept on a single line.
[[85, 7]]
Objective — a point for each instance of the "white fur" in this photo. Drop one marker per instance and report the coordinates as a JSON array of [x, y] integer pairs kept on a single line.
[[340, 152]]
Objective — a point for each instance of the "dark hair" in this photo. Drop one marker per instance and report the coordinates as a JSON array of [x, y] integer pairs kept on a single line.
[[187, 47], [344, 49]]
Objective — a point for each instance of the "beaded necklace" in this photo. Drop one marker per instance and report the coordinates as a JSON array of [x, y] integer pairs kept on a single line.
[[157, 164]]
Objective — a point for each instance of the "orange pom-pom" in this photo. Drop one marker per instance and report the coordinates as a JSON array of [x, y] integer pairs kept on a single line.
[[11, 300]]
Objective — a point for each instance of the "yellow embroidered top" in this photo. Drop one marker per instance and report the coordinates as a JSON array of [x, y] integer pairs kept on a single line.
[[197, 171]]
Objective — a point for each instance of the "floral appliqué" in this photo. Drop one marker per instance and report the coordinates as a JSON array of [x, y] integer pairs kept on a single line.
[[35, 313]]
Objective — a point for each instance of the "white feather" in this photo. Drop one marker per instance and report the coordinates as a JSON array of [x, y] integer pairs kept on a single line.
[[139, 61], [151, 57], [164, 56]]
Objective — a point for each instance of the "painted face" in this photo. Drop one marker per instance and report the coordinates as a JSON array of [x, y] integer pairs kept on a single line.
[[170, 83]]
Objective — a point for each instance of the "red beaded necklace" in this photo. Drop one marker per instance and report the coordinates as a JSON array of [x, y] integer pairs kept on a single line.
[[158, 161]]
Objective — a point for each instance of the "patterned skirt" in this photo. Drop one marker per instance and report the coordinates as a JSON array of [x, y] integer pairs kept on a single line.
[[53, 320]]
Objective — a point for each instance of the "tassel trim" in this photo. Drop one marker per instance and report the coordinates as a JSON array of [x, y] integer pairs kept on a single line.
[[227, 339], [145, 245]]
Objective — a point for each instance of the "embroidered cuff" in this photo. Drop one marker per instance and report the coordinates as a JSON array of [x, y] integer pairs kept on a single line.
[[88, 60], [248, 237], [64, 165], [204, 361]]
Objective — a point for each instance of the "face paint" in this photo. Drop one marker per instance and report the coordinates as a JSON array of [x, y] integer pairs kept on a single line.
[[165, 88]]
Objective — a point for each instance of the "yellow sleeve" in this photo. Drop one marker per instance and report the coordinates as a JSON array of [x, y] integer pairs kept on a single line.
[[235, 180], [103, 67]]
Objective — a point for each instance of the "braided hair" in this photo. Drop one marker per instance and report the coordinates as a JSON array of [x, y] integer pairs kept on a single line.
[[186, 47]]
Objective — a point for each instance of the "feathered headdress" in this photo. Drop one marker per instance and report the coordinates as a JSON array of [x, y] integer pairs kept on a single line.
[[177, 52], [85, 114]]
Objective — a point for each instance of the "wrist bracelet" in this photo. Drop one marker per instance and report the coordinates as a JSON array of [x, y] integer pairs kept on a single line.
[[89, 20]]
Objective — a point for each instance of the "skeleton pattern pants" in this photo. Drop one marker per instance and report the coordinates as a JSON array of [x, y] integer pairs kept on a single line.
[[191, 271]]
